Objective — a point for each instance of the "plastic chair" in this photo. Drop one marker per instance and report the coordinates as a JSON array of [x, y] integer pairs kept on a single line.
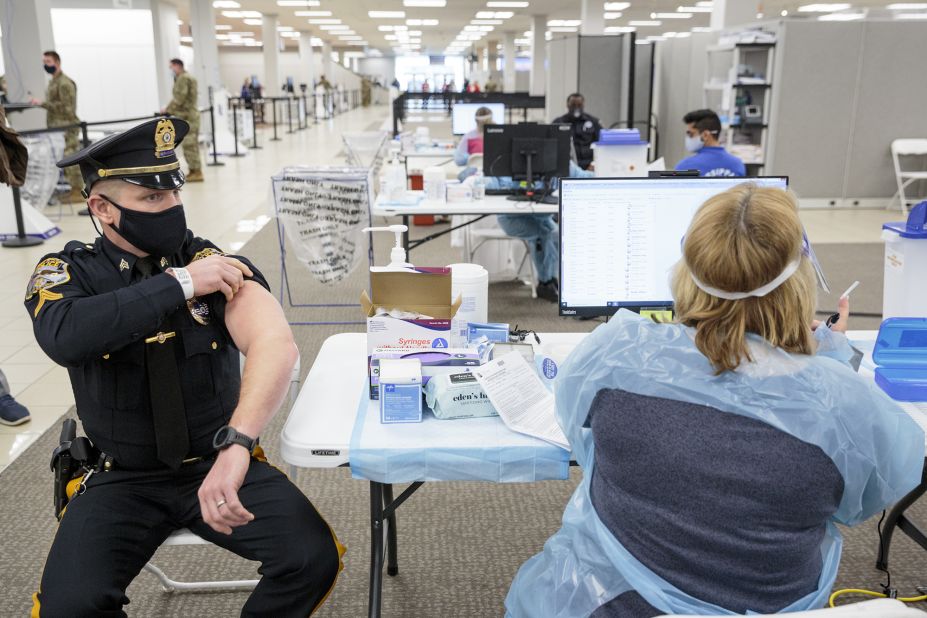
[[883, 608], [185, 537], [476, 238], [904, 178]]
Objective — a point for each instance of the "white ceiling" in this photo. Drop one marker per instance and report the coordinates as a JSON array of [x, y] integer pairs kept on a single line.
[[459, 13]]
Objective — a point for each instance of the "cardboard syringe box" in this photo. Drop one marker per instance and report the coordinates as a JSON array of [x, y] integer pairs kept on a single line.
[[427, 291]]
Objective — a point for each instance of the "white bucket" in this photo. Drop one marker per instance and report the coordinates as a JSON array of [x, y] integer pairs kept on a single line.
[[905, 294], [435, 183], [471, 283]]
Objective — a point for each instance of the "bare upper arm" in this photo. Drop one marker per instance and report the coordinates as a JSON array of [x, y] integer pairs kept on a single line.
[[253, 313]]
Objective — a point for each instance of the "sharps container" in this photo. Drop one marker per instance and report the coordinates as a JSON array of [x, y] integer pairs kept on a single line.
[[905, 294], [900, 354], [471, 283], [620, 152]]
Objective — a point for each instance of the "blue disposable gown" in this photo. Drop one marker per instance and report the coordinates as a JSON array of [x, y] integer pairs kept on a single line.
[[878, 449]]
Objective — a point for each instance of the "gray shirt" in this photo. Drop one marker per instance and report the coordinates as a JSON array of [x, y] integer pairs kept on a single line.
[[724, 507]]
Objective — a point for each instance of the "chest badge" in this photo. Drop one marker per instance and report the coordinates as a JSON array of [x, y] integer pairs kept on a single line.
[[199, 310], [123, 265]]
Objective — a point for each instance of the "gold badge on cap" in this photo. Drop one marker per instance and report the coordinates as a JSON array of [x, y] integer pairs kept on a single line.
[[164, 138]]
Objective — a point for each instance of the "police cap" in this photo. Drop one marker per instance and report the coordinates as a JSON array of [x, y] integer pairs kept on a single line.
[[143, 155]]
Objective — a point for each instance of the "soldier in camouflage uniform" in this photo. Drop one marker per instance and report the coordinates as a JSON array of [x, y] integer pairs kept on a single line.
[[61, 103], [183, 105]]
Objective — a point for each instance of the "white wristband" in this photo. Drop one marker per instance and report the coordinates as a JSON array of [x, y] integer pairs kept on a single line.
[[186, 281]]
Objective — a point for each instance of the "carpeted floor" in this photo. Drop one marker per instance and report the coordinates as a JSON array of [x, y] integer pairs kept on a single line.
[[459, 543]]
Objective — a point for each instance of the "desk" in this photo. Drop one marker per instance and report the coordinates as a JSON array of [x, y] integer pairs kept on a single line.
[[480, 209], [317, 434], [895, 518]]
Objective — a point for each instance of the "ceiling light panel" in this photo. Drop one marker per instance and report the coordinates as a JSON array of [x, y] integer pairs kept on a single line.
[[386, 14]]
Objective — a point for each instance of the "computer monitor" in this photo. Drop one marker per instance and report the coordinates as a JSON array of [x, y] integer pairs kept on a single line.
[[621, 237], [529, 152], [463, 116]]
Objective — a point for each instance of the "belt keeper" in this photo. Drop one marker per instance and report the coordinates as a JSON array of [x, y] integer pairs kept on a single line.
[[160, 337]]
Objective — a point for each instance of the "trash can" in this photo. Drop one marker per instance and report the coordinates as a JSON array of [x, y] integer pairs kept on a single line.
[[620, 152], [905, 294]]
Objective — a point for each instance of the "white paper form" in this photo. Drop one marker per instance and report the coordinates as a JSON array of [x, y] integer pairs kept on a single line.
[[521, 399]]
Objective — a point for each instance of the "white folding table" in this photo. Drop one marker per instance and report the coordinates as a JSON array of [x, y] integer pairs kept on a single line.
[[478, 209], [317, 434]]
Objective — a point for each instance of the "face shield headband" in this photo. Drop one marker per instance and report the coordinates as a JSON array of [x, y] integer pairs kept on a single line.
[[789, 270]]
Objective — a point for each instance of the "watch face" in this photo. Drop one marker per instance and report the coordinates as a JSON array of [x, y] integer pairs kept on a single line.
[[222, 437]]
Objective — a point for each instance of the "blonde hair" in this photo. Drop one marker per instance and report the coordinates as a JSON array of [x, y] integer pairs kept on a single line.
[[483, 116], [738, 241]]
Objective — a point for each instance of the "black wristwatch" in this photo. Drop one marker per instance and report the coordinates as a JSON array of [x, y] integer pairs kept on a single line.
[[227, 436]]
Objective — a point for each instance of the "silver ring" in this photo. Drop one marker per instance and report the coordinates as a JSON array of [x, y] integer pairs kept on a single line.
[[220, 503]]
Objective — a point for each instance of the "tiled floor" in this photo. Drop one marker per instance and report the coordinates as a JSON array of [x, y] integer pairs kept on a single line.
[[228, 209]]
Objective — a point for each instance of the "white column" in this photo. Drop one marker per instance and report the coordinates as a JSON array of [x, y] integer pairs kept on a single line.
[[592, 14], [27, 32], [538, 55], [729, 13], [205, 49], [269, 37], [327, 62], [508, 73], [306, 60], [166, 46]]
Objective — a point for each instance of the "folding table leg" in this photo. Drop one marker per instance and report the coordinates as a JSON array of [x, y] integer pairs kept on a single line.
[[392, 559], [897, 519], [376, 549]]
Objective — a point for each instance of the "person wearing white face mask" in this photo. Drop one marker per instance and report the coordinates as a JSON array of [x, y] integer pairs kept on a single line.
[[585, 128], [710, 158]]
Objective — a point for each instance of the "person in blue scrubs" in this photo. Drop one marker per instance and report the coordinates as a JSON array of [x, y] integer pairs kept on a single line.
[[703, 127], [720, 450]]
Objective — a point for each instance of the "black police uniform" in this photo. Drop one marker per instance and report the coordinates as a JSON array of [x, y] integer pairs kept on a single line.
[[113, 319], [585, 130]]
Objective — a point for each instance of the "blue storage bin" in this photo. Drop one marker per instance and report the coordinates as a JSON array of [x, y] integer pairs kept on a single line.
[[900, 354]]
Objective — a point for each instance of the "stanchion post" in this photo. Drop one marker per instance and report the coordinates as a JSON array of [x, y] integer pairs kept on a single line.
[[235, 130], [20, 240], [84, 139], [315, 108], [273, 102], [254, 144], [212, 130], [289, 115]]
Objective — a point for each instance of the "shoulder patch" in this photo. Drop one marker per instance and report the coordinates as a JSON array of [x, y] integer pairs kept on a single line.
[[49, 273], [205, 253]]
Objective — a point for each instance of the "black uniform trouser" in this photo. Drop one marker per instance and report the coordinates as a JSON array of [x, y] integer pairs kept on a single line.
[[109, 532]]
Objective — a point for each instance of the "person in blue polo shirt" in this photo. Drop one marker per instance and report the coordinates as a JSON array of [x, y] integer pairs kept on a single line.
[[710, 159]]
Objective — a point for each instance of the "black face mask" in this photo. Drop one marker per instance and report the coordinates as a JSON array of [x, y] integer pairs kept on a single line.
[[49, 68], [156, 233]]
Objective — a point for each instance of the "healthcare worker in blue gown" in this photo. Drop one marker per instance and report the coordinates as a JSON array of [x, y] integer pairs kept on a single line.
[[720, 450]]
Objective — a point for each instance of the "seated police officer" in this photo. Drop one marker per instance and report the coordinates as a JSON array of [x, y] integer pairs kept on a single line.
[[149, 321]]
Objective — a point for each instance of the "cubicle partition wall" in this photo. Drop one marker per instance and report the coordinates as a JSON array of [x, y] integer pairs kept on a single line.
[[600, 67], [840, 93], [846, 90]]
